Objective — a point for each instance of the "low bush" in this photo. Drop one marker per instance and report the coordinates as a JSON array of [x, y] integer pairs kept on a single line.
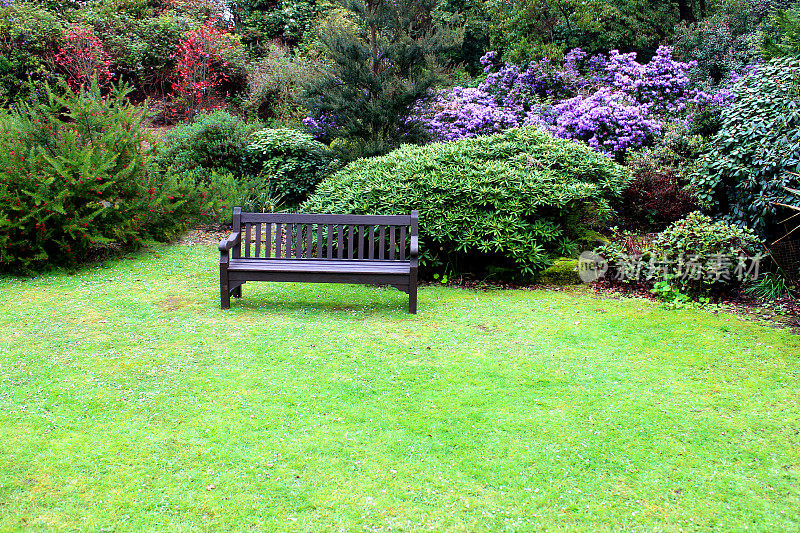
[[77, 177], [517, 199], [694, 256], [251, 193], [292, 161], [215, 141]]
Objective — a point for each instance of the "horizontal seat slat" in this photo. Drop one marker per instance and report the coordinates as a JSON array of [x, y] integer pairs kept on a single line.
[[316, 266], [305, 218]]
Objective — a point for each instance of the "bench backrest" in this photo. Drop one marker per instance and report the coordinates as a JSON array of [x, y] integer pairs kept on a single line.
[[322, 236]]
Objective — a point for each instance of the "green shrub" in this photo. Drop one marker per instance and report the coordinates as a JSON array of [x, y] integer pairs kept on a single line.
[[694, 255], [29, 35], [215, 141], [251, 193], [749, 161], [291, 160], [515, 199], [77, 177], [273, 84]]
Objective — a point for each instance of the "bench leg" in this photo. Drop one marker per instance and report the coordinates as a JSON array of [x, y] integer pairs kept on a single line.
[[224, 292], [412, 298]]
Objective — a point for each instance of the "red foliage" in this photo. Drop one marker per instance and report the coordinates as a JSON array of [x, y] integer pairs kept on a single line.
[[654, 200], [199, 69], [83, 57]]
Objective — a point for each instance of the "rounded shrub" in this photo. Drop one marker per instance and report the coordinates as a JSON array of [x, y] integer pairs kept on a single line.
[[752, 157], [215, 141], [291, 160], [514, 200]]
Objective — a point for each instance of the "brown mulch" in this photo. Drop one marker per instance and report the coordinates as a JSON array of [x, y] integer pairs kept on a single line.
[[205, 235]]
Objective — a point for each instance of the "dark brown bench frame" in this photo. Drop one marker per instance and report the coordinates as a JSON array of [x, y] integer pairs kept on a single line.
[[365, 249]]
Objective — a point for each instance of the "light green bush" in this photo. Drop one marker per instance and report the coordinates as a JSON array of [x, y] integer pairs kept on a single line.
[[516, 199]]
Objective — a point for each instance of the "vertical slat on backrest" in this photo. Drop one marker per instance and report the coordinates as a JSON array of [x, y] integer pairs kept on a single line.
[[237, 228], [247, 239], [268, 241], [382, 243], [278, 233], [258, 240], [402, 243], [319, 240], [339, 241], [330, 242], [391, 242], [350, 246], [371, 241], [309, 241]]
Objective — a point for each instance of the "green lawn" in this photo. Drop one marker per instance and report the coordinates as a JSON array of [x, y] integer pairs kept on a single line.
[[129, 402]]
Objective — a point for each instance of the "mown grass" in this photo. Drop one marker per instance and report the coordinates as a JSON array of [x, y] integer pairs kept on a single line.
[[129, 402]]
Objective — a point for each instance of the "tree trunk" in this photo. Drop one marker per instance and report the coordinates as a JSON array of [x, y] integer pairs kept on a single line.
[[685, 12]]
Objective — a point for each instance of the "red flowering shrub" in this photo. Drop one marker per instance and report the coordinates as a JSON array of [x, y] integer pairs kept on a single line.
[[201, 68], [82, 57]]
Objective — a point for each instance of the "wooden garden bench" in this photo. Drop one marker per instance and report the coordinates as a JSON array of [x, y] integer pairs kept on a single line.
[[366, 249]]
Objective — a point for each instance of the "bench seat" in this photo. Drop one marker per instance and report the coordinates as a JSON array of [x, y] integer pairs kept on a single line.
[[320, 267]]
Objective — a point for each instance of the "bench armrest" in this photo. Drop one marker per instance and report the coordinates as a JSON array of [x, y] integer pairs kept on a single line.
[[414, 246], [226, 244]]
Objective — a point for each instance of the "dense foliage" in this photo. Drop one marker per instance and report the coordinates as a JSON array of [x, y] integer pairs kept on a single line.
[[514, 200], [273, 84], [291, 161], [29, 35], [751, 159], [655, 198], [215, 141], [379, 67], [76, 176]]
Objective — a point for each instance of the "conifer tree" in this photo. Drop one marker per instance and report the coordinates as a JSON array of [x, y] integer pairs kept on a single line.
[[380, 66]]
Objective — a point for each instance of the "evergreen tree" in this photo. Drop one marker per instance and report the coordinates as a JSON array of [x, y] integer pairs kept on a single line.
[[381, 64]]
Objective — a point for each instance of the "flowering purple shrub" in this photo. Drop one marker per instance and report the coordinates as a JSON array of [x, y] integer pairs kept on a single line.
[[320, 128], [612, 102], [663, 82], [463, 112], [608, 121]]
